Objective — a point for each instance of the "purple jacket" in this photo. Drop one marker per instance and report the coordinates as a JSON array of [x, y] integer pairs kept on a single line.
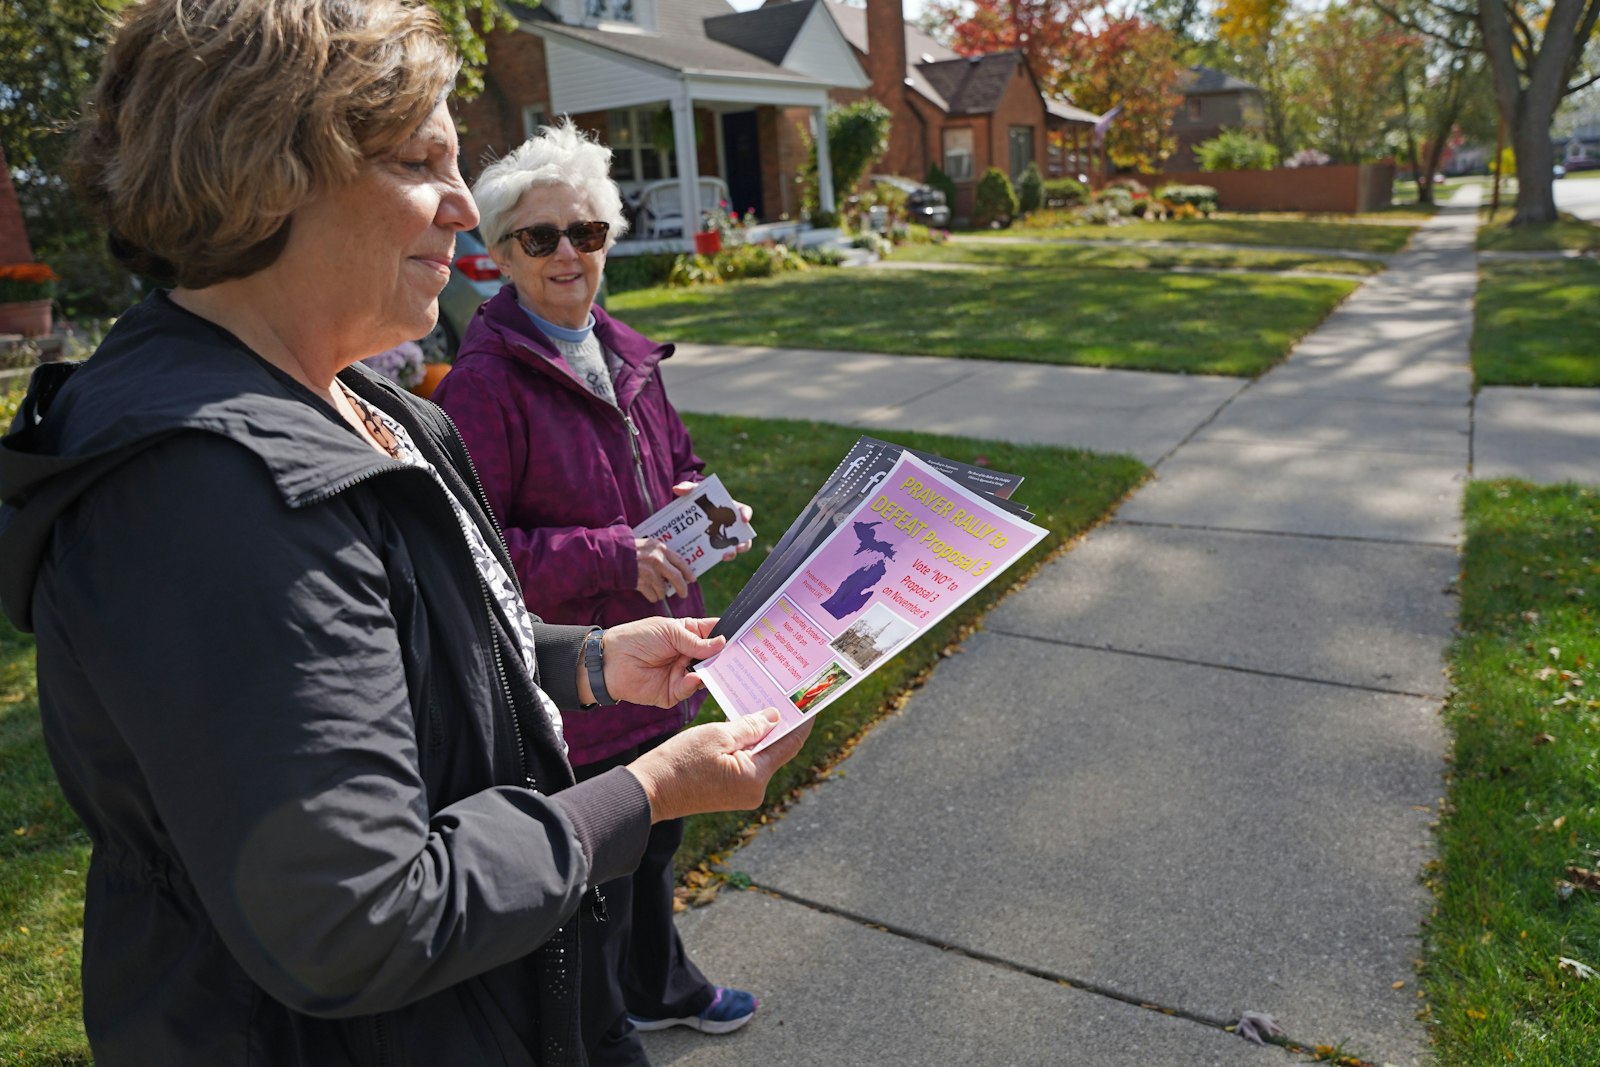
[[558, 465]]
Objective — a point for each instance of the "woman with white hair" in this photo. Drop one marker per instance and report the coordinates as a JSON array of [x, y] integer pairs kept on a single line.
[[566, 419]]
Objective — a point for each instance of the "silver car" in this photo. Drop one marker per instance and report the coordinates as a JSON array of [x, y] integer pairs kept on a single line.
[[474, 278]]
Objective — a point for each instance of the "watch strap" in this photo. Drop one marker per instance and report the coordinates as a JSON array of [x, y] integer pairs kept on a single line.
[[594, 661]]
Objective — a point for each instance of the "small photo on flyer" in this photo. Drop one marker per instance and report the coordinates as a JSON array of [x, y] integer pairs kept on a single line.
[[810, 697], [870, 637]]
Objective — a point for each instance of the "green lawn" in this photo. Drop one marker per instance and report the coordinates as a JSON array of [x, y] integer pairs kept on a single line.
[[1288, 232], [1524, 791], [1536, 323], [1571, 234], [1183, 323], [774, 466], [43, 854], [1125, 257]]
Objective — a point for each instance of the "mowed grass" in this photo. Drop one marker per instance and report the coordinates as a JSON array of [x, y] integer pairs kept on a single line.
[[1570, 234], [1057, 256], [1536, 323], [1524, 792], [774, 466], [43, 856], [1180, 323], [1279, 230]]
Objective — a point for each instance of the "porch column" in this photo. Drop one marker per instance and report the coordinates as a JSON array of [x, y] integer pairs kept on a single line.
[[819, 135], [688, 157]]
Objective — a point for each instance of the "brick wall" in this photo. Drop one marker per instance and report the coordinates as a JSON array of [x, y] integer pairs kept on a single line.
[[1020, 106], [1346, 187], [515, 76], [14, 247]]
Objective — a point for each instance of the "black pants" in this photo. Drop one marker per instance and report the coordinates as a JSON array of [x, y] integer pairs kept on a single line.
[[635, 961]]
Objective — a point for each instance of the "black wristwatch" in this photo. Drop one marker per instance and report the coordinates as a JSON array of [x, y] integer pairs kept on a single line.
[[594, 661]]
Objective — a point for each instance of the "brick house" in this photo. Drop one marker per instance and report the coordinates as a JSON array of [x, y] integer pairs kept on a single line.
[[1212, 102], [965, 113], [650, 76]]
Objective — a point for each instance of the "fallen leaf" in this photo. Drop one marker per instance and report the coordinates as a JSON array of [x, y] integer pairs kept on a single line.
[[1580, 970], [1543, 739], [1398, 985], [706, 896], [1558, 822], [1584, 878], [1477, 1013]]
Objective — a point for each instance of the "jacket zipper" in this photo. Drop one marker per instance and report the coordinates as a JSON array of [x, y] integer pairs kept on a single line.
[[328, 492], [644, 488]]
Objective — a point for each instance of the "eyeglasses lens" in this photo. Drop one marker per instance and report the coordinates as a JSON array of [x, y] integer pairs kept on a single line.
[[541, 241]]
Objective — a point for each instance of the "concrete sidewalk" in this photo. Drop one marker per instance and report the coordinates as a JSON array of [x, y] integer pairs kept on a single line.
[[1188, 771]]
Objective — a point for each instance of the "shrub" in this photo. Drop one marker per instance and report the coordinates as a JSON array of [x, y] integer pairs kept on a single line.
[[734, 264], [941, 181], [858, 136], [1202, 198], [996, 200], [1065, 192], [824, 220], [918, 234], [1098, 214], [1117, 198], [1236, 150], [1030, 189], [1133, 185], [624, 273]]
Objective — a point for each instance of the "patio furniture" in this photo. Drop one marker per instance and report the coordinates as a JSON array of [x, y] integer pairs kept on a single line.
[[660, 211]]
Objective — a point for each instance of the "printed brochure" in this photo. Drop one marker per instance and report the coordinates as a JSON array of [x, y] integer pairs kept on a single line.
[[699, 526], [912, 547]]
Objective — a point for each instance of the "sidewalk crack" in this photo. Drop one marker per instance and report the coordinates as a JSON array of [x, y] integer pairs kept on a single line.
[[1165, 658]]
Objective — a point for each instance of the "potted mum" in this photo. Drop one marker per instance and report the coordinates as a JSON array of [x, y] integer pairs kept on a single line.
[[26, 290], [402, 365]]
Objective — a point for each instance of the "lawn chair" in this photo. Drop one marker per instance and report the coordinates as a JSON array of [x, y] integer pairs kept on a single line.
[[661, 208]]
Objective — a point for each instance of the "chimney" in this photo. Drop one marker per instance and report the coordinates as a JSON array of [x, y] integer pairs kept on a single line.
[[886, 51]]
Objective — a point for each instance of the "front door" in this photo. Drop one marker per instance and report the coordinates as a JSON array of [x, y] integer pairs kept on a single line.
[[742, 145]]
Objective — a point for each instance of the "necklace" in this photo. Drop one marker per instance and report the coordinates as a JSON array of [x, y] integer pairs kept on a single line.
[[380, 434]]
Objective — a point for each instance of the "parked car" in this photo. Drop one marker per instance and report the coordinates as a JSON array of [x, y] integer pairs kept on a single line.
[[1558, 171], [474, 278], [924, 203]]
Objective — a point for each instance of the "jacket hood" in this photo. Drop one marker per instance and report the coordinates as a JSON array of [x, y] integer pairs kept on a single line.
[[161, 371], [502, 326]]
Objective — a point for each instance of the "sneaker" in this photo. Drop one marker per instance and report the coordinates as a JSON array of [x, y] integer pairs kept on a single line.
[[729, 1009]]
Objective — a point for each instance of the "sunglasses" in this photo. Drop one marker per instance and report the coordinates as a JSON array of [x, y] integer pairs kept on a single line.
[[541, 241]]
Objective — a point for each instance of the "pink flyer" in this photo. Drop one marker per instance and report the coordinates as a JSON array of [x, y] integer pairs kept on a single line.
[[900, 562]]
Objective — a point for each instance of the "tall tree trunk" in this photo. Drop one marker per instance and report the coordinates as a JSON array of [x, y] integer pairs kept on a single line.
[[1527, 93]]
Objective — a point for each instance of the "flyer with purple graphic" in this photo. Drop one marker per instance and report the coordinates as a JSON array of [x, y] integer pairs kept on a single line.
[[912, 550]]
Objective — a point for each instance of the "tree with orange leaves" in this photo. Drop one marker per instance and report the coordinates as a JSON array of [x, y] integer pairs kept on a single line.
[[1091, 55]]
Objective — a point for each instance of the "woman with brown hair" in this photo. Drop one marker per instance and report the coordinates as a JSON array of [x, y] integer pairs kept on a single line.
[[286, 674]]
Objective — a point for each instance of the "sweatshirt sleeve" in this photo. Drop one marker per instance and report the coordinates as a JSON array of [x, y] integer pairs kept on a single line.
[[561, 563], [246, 656]]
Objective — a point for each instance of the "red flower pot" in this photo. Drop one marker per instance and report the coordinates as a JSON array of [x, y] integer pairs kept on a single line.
[[30, 318], [708, 243]]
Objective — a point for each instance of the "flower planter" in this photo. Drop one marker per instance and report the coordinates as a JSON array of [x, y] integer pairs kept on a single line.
[[708, 243], [30, 318], [432, 375]]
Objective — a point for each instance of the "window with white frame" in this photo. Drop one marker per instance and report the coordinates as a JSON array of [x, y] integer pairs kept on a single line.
[[534, 116], [958, 154], [610, 10], [641, 144]]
